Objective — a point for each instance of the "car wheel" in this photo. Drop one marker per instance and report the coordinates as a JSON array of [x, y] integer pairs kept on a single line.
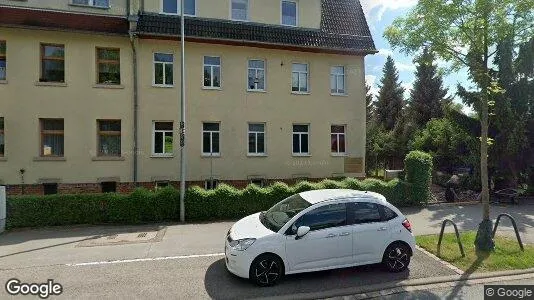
[[396, 257], [266, 270]]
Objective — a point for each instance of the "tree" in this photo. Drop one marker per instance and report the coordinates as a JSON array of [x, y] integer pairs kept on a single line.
[[389, 102], [466, 33], [428, 97], [369, 105]]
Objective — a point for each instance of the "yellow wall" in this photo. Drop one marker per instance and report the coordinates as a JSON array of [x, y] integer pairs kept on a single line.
[[117, 7], [22, 103]]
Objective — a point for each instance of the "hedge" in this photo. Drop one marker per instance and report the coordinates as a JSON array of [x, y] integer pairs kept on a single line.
[[418, 169]]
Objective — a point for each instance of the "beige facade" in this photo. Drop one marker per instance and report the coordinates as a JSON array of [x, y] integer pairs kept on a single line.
[[80, 102]]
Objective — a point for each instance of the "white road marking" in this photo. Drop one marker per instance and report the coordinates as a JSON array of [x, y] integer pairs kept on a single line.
[[144, 259]]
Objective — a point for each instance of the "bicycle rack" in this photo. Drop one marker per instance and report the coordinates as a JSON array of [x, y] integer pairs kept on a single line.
[[515, 229], [457, 236]]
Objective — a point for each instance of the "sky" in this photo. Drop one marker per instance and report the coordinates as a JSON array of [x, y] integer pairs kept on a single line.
[[380, 14]]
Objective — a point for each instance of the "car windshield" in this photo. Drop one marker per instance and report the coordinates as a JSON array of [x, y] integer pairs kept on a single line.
[[278, 215]]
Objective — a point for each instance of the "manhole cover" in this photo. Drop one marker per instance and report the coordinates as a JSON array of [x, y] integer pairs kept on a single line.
[[132, 237]]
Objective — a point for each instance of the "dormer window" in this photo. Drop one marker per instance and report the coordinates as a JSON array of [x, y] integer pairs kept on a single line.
[[289, 13], [240, 10], [95, 3], [173, 7]]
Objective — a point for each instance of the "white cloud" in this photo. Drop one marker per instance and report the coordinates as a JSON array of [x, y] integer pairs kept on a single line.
[[383, 5], [385, 52], [370, 81], [408, 86], [402, 67]]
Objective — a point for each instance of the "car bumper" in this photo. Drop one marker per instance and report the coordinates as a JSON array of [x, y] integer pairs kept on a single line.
[[237, 262]]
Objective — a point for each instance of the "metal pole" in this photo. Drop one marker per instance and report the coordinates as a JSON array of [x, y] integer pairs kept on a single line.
[[182, 112]]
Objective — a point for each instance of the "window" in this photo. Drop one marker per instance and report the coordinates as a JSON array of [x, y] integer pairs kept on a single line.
[[337, 139], [210, 138], [387, 214], [211, 184], [52, 63], [109, 187], [365, 212], [173, 7], [2, 140], [212, 72], [52, 137], [337, 80], [3, 60], [240, 10], [109, 137], [97, 3], [289, 13], [50, 188], [256, 138], [162, 184], [300, 78], [108, 65], [258, 181], [327, 216], [300, 139], [163, 69], [256, 75], [162, 138]]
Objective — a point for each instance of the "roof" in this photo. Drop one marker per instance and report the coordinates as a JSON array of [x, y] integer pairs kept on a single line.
[[317, 196], [343, 29]]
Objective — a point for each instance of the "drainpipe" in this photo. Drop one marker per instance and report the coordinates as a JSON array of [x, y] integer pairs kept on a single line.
[[132, 19]]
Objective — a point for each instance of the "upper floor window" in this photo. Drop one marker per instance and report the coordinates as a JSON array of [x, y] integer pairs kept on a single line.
[[289, 13], [240, 10], [97, 3], [52, 137], [337, 80], [109, 137], [162, 139], [52, 63], [300, 78], [173, 7], [256, 75], [2, 140], [212, 72], [108, 64], [163, 69], [3, 61]]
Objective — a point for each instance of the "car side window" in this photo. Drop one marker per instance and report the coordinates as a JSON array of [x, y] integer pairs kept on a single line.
[[364, 212], [387, 213], [327, 216]]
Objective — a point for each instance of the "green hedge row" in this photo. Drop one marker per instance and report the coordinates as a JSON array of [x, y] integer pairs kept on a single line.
[[144, 206]]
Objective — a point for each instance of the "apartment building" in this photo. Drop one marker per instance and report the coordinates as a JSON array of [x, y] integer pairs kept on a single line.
[[90, 92]]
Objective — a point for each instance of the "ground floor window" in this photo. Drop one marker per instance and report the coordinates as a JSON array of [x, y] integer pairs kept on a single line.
[[50, 188], [211, 184], [109, 187]]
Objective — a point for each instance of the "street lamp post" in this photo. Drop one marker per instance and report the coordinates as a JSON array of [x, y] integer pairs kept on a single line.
[[182, 113]]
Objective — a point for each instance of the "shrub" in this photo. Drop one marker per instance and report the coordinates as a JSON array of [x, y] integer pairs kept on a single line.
[[418, 168]]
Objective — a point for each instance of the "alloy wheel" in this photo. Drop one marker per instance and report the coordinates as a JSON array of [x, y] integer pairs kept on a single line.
[[397, 258], [267, 272]]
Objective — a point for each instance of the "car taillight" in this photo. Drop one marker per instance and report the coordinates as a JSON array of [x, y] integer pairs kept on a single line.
[[407, 225]]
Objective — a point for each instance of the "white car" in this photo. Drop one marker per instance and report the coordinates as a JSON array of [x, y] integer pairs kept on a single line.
[[319, 230]]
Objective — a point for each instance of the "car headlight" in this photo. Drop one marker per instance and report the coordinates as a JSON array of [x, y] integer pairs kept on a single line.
[[241, 245]]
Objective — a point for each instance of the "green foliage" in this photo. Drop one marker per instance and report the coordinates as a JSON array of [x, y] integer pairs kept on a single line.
[[418, 167], [390, 100]]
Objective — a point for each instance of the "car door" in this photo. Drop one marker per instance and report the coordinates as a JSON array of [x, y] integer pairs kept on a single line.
[[370, 233], [327, 245]]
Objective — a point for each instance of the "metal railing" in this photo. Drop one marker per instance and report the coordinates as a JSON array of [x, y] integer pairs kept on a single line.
[[515, 229], [457, 236]]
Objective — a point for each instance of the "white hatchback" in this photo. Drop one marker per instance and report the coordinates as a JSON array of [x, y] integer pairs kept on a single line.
[[319, 230]]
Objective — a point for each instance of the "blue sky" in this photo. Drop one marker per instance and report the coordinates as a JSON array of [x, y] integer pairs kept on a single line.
[[380, 14]]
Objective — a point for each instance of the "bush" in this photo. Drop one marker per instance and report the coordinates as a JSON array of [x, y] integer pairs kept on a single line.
[[418, 168]]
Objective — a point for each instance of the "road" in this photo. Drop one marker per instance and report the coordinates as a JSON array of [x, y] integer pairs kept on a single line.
[[185, 261]]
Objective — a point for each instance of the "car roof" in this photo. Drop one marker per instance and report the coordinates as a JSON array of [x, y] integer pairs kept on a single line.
[[317, 196]]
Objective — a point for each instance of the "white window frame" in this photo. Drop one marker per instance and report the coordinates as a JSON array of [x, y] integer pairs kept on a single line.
[[208, 154], [92, 4], [211, 87], [178, 9], [247, 18], [164, 154], [299, 73], [336, 76], [214, 183], [296, 13], [344, 134], [264, 153], [300, 153], [256, 72], [154, 62]]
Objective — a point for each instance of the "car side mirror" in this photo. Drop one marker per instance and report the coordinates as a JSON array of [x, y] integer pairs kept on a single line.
[[302, 231]]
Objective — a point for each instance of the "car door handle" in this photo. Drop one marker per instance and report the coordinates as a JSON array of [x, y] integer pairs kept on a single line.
[[344, 233], [382, 228], [330, 236]]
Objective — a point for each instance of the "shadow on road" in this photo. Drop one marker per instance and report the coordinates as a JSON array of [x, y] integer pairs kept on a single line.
[[220, 284], [481, 256]]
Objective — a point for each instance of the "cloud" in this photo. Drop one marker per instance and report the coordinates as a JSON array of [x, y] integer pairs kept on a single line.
[[370, 81], [402, 67], [408, 86], [385, 52], [379, 7]]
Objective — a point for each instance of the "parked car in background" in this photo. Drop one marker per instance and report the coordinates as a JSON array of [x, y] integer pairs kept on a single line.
[[319, 230]]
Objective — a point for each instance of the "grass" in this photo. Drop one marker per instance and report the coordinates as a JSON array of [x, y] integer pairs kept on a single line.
[[506, 256]]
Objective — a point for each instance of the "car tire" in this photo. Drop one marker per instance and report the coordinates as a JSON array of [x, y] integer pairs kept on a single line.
[[396, 257], [266, 270]]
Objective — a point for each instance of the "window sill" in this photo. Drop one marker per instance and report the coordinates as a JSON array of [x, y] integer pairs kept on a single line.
[[211, 88], [338, 95], [165, 86], [207, 155], [3, 81], [108, 86], [45, 83], [339, 154], [161, 156], [90, 6], [301, 155], [257, 91], [176, 14], [108, 158], [300, 93], [3, 158], [256, 155], [49, 158]]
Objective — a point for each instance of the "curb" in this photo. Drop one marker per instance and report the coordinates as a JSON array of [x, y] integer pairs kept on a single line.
[[446, 264]]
